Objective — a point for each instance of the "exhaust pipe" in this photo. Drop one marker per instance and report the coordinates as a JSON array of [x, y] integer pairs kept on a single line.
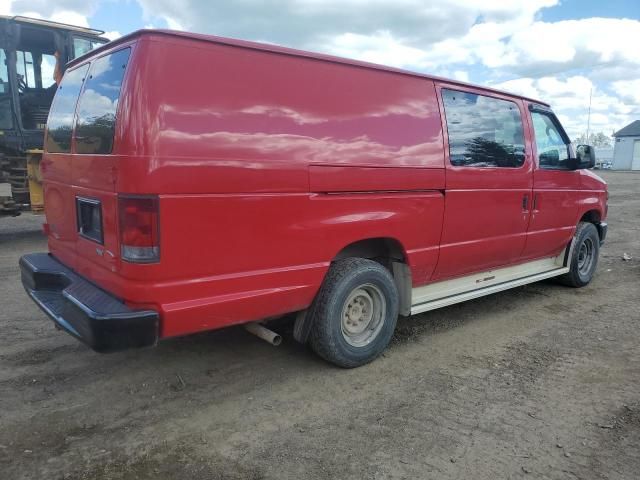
[[264, 333]]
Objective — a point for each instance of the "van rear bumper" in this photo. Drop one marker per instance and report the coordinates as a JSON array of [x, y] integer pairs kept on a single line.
[[85, 311]]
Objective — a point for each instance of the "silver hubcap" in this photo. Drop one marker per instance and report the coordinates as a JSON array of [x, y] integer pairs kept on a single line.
[[585, 256], [363, 315]]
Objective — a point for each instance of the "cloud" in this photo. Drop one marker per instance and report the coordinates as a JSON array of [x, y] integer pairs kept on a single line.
[[113, 35], [75, 10], [70, 18], [515, 46], [570, 99], [543, 48], [629, 90], [418, 35], [173, 24], [571, 94], [71, 12], [310, 23], [461, 75], [380, 48]]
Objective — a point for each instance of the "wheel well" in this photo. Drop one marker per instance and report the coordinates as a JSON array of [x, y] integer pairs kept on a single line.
[[592, 216], [390, 253], [380, 249]]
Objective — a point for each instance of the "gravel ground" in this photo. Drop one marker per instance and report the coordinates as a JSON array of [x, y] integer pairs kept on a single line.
[[537, 382]]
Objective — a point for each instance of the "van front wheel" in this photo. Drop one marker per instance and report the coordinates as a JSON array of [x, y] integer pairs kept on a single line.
[[355, 313], [584, 257]]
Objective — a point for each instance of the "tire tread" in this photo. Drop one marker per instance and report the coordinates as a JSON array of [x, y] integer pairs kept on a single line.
[[320, 338], [572, 278]]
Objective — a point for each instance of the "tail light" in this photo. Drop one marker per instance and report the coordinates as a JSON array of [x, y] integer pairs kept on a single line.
[[139, 228]]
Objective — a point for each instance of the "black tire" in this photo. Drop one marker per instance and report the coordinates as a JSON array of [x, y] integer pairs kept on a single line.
[[584, 257], [346, 301]]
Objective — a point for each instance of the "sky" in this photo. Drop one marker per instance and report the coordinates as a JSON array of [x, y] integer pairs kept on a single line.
[[558, 51]]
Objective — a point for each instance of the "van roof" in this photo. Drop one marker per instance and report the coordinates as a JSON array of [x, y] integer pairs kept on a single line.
[[288, 51]]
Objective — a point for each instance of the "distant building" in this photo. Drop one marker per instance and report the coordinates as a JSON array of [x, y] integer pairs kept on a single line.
[[604, 156], [626, 150]]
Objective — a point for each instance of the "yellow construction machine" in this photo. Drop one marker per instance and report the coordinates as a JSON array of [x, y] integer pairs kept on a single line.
[[33, 56]]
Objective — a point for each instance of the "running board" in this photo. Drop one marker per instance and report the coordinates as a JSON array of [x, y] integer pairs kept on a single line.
[[447, 292]]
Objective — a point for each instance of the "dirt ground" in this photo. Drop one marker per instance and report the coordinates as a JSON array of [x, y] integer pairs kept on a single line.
[[538, 382]]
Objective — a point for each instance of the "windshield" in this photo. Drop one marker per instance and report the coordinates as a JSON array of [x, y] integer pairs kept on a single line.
[[6, 118]]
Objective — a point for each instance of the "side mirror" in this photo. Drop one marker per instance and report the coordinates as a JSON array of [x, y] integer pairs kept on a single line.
[[586, 157]]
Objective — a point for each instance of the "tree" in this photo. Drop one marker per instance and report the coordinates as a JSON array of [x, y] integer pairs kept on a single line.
[[599, 139], [483, 152]]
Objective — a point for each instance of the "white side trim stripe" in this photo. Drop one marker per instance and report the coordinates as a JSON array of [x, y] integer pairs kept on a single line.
[[449, 292]]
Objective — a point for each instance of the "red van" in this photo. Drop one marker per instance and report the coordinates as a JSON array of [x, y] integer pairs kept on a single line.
[[195, 182]]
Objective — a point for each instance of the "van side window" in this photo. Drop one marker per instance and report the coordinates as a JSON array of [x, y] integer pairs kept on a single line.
[[60, 122], [99, 102], [483, 131], [553, 151]]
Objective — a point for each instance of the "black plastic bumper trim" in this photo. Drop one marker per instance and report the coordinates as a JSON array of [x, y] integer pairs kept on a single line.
[[85, 311]]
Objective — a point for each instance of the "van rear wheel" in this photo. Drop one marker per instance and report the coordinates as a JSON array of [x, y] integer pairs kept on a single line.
[[355, 312], [584, 257]]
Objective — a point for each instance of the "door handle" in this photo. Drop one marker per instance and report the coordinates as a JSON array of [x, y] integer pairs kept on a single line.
[[525, 202], [534, 207]]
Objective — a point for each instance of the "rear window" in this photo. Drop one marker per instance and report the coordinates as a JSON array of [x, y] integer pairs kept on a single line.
[[483, 131], [98, 103], [60, 123]]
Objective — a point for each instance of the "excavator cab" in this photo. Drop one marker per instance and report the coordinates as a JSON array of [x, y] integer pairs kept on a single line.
[[33, 56]]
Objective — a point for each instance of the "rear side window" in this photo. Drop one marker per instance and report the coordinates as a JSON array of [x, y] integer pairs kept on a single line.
[[60, 123], [483, 131], [99, 102]]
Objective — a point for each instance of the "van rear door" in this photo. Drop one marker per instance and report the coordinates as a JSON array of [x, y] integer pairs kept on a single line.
[[94, 163], [88, 183], [56, 166]]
